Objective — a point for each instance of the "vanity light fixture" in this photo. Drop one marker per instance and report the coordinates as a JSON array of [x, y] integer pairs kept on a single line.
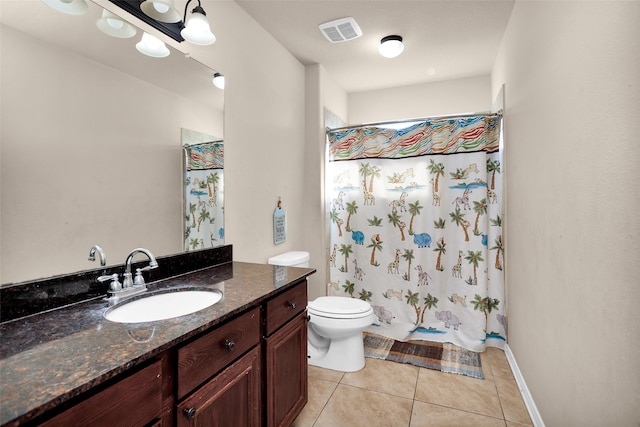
[[115, 26], [194, 29], [197, 29], [152, 46], [70, 7], [391, 46], [218, 80], [161, 10]]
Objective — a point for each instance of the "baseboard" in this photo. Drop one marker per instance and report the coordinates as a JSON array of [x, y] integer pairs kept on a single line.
[[524, 391]]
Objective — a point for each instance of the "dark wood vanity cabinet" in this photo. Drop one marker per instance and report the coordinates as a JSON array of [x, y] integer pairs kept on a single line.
[[250, 371], [285, 346], [267, 385]]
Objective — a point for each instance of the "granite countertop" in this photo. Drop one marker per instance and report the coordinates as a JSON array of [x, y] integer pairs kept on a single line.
[[48, 358]]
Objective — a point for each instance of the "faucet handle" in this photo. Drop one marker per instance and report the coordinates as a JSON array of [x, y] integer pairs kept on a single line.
[[115, 283], [139, 279]]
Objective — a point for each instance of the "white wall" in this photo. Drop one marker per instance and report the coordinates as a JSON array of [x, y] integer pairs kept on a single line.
[[321, 92], [264, 133], [572, 83], [467, 95]]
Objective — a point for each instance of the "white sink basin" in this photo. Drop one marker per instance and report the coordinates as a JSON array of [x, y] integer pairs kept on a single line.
[[163, 306]]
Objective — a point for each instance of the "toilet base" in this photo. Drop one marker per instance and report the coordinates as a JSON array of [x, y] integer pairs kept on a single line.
[[344, 355]]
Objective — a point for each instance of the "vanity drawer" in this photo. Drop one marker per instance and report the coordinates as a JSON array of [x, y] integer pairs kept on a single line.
[[202, 358], [139, 396], [284, 307]]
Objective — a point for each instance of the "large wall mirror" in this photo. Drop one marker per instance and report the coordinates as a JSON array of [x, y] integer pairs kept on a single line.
[[92, 141]]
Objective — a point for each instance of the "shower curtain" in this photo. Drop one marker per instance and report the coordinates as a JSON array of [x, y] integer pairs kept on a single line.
[[416, 228]]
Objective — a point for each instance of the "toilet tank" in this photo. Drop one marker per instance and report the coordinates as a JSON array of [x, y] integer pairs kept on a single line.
[[291, 259]]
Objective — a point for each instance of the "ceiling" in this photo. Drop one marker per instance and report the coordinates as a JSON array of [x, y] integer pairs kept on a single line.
[[443, 39]]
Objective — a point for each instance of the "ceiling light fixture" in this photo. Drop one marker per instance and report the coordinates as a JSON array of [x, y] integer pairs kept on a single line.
[[152, 46], [218, 80], [161, 10], [196, 28], [70, 7], [115, 26], [391, 46]]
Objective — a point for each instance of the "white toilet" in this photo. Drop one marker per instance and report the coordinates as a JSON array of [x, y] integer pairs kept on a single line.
[[335, 324], [335, 332]]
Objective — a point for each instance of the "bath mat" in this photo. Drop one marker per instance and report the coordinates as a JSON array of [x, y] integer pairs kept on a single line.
[[443, 357]]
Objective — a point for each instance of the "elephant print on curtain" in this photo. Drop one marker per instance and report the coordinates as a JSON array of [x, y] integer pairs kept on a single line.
[[416, 228]]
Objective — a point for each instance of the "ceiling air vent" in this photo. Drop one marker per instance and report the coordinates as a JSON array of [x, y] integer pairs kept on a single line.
[[341, 30]]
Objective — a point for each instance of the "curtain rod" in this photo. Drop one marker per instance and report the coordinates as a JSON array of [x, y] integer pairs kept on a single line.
[[421, 119]]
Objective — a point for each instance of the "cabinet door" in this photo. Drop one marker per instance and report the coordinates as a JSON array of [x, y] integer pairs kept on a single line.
[[286, 368], [230, 399]]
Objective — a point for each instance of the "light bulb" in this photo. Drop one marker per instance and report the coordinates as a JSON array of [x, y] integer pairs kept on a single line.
[[218, 80], [116, 24], [152, 46], [160, 7], [111, 24], [70, 7], [197, 30], [161, 10]]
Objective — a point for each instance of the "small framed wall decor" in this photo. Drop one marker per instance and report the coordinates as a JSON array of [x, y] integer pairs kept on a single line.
[[279, 224]]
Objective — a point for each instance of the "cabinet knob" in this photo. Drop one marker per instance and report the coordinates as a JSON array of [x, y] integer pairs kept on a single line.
[[190, 413], [291, 304], [229, 344]]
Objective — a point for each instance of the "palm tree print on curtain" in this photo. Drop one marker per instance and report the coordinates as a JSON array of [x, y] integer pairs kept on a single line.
[[416, 228]]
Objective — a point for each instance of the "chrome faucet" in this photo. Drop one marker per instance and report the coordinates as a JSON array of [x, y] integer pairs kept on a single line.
[[129, 285], [92, 255], [127, 280]]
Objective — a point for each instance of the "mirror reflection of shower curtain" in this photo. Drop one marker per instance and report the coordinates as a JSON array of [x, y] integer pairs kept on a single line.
[[204, 195], [416, 228]]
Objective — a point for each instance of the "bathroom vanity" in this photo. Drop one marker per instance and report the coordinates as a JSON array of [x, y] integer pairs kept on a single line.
[[239, 362]]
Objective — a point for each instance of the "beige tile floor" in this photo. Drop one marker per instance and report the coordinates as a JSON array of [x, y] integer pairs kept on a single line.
[[389, 394]]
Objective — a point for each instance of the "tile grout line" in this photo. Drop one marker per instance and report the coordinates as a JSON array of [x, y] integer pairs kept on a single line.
[[327, 402], [493, 380], [468, 412], [507, 377], [413, 401]]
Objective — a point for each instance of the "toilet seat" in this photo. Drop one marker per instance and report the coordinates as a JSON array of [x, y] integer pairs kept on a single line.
[[339, 307]]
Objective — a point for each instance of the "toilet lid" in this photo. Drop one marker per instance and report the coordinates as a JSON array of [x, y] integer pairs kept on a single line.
[[339, 307]]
